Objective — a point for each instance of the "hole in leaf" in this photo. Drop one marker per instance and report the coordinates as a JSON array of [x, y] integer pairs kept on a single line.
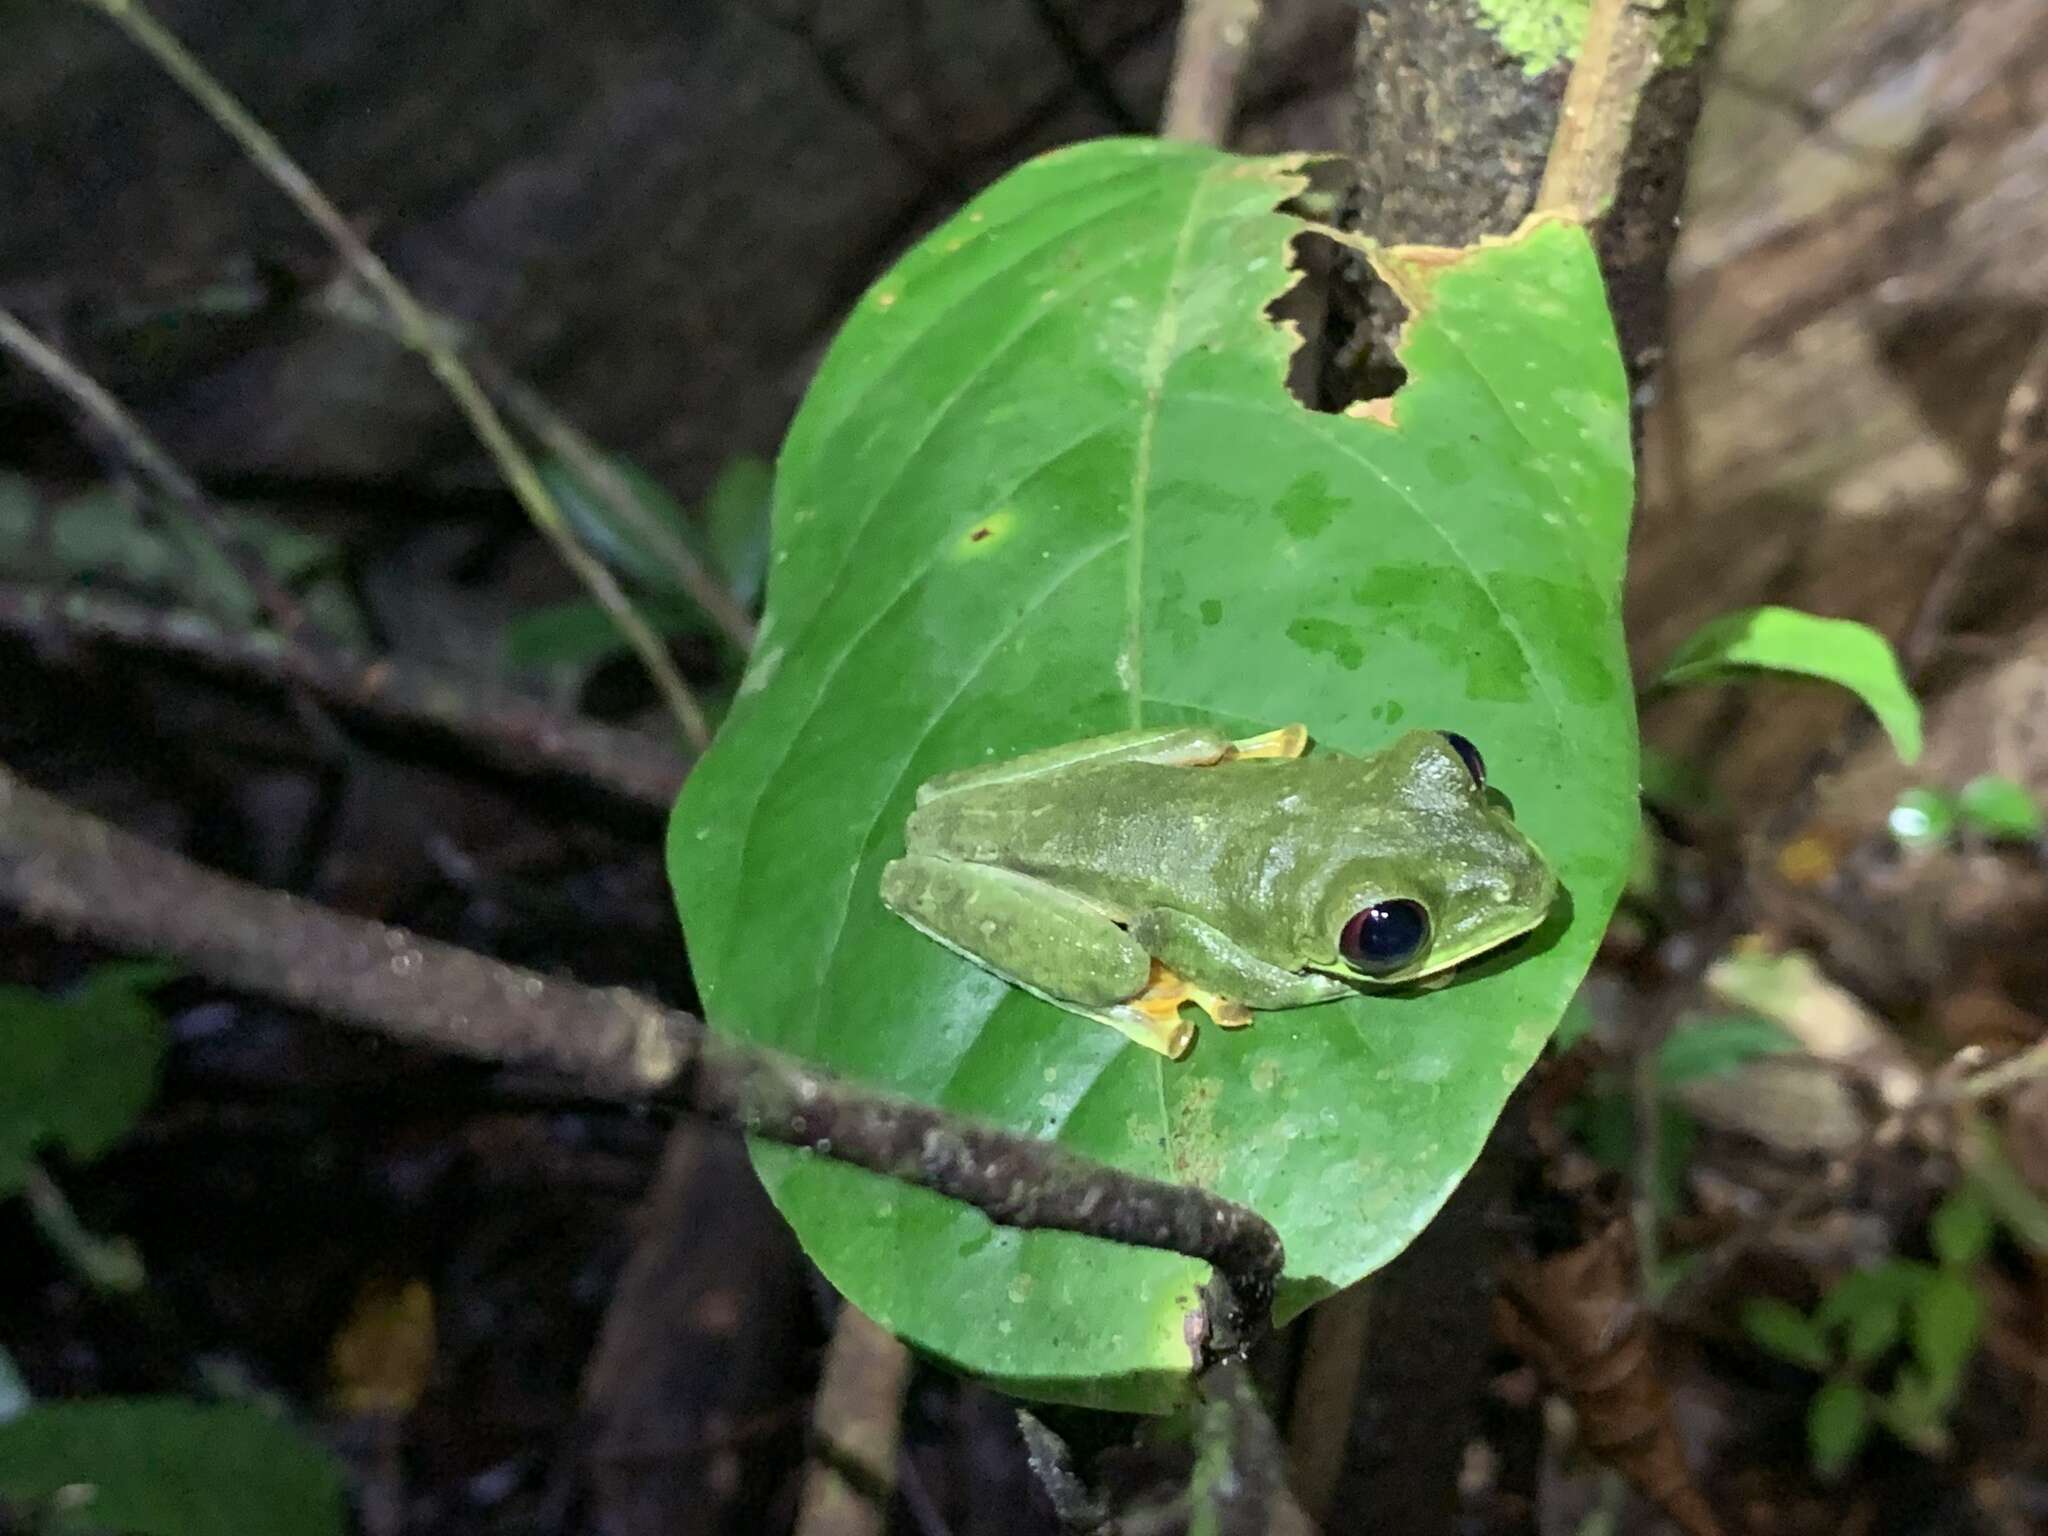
[[1347, 318]]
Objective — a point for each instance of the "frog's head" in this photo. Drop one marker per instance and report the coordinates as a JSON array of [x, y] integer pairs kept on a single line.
[[1435, 874]]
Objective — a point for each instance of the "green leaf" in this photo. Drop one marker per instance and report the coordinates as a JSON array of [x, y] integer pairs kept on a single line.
[[1717, 1046], [1786, 1332], [2004, 1188], [579, 633], [736, 524], [1803, 644], [1947, 1316], [1960, 1228], [169, 1467], [80, 1070], [1873, 1330], [2000, 809], [1892, 1284], [1577, 1023], [1047, 483], [1837, 1421], [1922, 818], [14, 1394], [639, 547], [1916, 1410], [106, 533], [1677, 783]]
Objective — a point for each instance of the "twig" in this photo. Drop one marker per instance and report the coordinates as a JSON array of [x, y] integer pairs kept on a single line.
[[1615, 62], [504, 730], [1052, 1463], [2010, 1073], [107, 1264], [74, 872], [857, 1425], [154, 465], [1240, 1483], [1208, 61], [2022, 453], [420, 332]]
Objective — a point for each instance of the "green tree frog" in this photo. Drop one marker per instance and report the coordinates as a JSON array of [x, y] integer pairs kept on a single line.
[[1124, 876]]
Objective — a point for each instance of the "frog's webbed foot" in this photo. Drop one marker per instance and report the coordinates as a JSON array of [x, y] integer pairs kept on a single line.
[[1168, 990], [1287, 741]]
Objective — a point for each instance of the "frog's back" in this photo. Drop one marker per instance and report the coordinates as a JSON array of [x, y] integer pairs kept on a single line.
[[1134, 835]]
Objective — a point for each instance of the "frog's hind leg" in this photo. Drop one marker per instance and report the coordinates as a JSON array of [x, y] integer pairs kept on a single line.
[[1178, 746], [1063, 947], [1287, 741]]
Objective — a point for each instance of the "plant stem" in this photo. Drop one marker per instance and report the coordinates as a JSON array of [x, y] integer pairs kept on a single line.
[[424, 335], [1208, 61], [1615, 62], [107, 1264]]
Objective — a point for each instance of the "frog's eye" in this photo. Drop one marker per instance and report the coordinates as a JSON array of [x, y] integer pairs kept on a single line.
[[1469, 756], [1385, 937]]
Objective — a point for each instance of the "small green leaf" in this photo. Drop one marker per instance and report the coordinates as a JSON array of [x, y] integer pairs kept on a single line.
[[1675, 783], [1578, 1022], [1960, 1228], [1873, 1329], [1892, 1284], [1837, 1420], [1916, 1411], [640, 547], [170, 1467], [1717, 1046], [2005, 1188], [2000, 809], [14, 1393], [1947, 1316], [736, 524], [579, 633], [80, 1070], [1785, 640], [1786, 1332], [1922, 818]]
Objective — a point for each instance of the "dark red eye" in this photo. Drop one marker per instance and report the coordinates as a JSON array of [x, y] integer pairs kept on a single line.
[[1469, 756], [1386, 937]]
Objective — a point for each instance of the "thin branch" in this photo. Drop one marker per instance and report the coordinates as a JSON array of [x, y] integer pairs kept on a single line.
[[142, 452], [83, 876], [856, 1430], [2022, 455], [1208, 63], [424, 335], [508, 732], [1615, 62], [1240, 1482], [2014, 1071]]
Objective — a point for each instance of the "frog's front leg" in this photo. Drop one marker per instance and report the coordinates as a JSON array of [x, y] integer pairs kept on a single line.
[[1064, 947], [1227, 979]]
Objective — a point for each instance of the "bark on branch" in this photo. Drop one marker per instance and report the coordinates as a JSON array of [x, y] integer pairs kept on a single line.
[[74, 872], [510, 733]]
